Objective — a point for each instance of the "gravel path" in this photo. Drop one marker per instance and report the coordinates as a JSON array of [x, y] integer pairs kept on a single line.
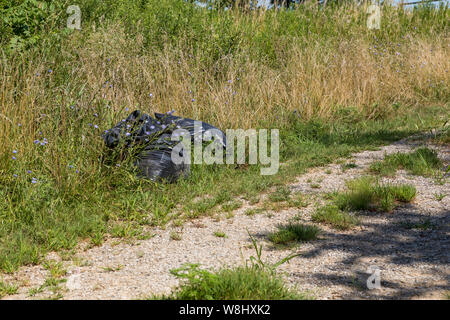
[[413, 263]]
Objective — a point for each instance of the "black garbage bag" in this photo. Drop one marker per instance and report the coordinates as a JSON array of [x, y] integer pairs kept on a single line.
[[189, 124], [150, 145], [155, 161]]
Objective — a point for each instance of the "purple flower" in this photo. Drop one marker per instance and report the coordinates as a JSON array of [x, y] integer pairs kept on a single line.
[[36, 141], [14, 151], [128, 134], [95, 115], [96, 126], [14, 158], [77, 171], [49, 70], [126, 109], [28, 171], [193, 100], [15, 175], [151, 95], [152, 127], [163, 126]]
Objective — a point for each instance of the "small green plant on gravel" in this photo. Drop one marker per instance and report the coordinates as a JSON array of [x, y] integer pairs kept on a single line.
[[220, 234], [423, 161], [294, 232], [256, 280], [231, 205], [298, 201], [7, 289], [439, 196], [350, 165], [335, 217], [253, 211], [281, 194], [113, 269], [55, 268], [175, 236]]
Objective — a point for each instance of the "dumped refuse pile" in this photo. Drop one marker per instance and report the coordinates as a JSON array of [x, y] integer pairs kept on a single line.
[[149, 142]]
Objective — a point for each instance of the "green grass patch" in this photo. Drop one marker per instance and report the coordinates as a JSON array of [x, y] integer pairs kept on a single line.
[[423, 162], [282, 193], [294, 232], [257, 280], [7, 289], [335, 217], [366, 193], [240, 283], [220, 234]]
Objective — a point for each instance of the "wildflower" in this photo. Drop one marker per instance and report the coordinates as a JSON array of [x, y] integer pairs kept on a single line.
[[37, 74], [28, 171], [36, 141], [49, 70], [14, 158], [19, 125], [14, 151], [15, 175], [151, 95], [152, 127], [163, 126], [126, 109], [96, 126], [193, 99], [77, 171], [106, 131], [95, 115], [128, 134], [33, 180]]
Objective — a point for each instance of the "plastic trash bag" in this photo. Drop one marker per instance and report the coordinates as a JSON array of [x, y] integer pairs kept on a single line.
[[189, 124], [148, 141]]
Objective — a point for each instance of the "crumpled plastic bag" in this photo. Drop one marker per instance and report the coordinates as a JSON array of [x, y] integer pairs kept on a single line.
[[148, 141]]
